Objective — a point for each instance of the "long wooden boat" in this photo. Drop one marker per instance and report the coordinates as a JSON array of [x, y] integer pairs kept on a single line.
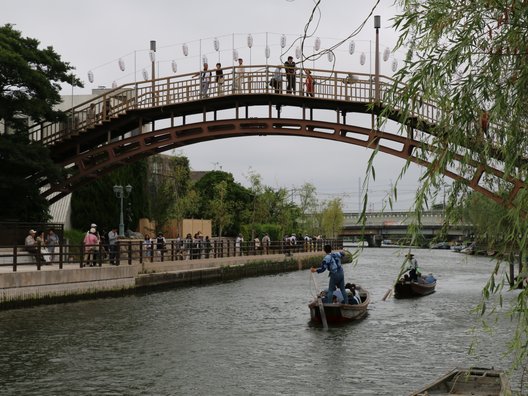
[[471, 381], [409, 289], [339, 313]]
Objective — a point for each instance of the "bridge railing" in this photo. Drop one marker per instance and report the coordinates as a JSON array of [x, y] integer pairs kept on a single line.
[[245, 80]]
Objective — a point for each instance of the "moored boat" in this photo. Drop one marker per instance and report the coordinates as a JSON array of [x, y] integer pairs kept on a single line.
[[471, 381], [338, 313], [441, 245], [406, 288]]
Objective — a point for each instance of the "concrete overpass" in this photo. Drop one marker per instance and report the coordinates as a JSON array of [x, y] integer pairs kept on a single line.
[[379, 226]]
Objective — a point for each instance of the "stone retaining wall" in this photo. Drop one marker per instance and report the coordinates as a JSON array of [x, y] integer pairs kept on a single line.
[[35, 287]]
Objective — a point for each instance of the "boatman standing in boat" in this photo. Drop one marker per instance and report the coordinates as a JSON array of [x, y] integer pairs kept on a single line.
[[332, 263], [413, 267]]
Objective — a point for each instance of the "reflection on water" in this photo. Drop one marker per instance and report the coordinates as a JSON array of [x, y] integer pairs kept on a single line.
[[253, 336]]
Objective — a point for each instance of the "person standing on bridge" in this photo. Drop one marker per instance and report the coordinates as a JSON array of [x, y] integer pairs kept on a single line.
[[332, 263], [205, 79], [239, 77], [219, 78], [289, 65], [309, 82], [276, 81]]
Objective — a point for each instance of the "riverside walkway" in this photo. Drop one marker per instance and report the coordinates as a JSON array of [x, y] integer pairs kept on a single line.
[[71, 281]]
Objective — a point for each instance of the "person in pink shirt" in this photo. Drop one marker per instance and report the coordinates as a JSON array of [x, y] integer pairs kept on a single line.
[[91, 243]]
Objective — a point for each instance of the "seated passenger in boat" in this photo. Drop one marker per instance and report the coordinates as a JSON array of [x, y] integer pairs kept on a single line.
[[354, 297], [426, 279], [337, 297]]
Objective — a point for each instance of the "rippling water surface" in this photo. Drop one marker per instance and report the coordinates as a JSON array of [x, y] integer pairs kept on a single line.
[[253, 337]]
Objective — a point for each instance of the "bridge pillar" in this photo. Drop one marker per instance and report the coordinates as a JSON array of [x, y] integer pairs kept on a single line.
[[374, 240]]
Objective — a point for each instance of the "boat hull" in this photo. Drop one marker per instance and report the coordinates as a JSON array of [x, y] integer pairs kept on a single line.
[[404, 289], [340, 313], [472, 381]]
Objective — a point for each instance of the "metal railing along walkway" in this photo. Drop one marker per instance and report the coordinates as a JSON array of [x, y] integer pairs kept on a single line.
[[135, 251]]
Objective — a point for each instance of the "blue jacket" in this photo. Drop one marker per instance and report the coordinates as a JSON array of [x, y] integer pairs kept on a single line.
[[330, 258]]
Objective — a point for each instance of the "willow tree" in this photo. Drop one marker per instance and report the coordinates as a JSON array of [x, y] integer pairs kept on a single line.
[[467, 60], [332, 218]]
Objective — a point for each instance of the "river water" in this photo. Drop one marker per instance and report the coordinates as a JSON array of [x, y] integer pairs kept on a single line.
[[253, 337]]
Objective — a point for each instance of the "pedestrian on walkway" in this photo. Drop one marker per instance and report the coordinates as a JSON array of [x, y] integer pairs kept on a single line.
[[112, 244]]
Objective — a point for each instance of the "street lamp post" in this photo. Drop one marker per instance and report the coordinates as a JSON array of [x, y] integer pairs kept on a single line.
[[153, 75], [122, 193], [377, 25]]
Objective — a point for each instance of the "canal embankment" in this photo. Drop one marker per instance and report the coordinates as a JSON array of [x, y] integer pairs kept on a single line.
[[54, 285]]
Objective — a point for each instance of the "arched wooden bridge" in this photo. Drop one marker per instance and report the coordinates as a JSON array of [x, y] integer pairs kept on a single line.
[[140, 119]]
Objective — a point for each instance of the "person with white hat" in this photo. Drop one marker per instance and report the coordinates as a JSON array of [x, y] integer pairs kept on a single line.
[[31, 246], [94, 226], [91, 243]]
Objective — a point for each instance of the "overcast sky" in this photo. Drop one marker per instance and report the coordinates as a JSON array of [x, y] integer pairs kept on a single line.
[[93, 35]]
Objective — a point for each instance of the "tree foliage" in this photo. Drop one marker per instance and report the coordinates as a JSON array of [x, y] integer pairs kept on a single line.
[[308, 208], [168, 189], [30, 80], [19, 159], [332, 218], [221, 208], [467, 63], [96, 202], [238, 196]]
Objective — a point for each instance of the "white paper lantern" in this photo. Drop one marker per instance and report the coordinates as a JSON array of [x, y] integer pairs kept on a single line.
[[174, 66], [330, 56], [267, 52], [114, 85], [121, 64], [216, 44], [185, 49], [145, 74], [250, 41], [235, 55], [352, 47], [394, 65], [362, 58], [317, 45], [386, 54], [298, 52], [90, 76], [204, 59], [283, 41]]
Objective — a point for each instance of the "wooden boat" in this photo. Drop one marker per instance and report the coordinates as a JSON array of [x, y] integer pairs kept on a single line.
[[470, 249], [471, 381], [339, 313], [441, 245], [408, 289]]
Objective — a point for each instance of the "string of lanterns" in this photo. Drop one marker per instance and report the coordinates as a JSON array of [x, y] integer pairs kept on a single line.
[[267, 53]]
